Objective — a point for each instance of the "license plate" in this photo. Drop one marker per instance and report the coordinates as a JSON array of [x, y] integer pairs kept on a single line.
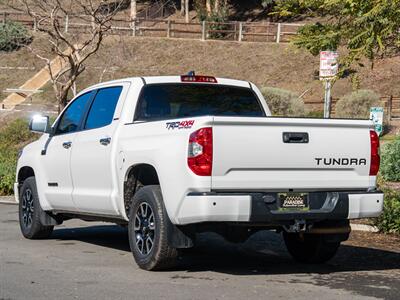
[[293, 201]]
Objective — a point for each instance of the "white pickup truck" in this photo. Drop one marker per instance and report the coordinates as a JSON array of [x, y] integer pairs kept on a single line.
[[173, 156]]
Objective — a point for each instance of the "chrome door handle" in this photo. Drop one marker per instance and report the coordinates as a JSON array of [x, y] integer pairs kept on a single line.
[[105, 141], [67, 145]]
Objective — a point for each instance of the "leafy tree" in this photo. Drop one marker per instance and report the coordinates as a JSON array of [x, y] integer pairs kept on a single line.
[[368, 28]]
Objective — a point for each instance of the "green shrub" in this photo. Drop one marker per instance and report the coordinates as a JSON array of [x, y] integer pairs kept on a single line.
[[12, 138], [390, 160], [315, 114], [283, 103], [13, 35], [357, 104], [389, 220]]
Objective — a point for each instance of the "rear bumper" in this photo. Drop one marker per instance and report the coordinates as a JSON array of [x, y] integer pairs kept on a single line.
[[263, 208]]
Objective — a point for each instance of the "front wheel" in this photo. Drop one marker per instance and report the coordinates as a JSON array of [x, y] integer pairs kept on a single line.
[[29, 212], [148, 231], [310, 248]]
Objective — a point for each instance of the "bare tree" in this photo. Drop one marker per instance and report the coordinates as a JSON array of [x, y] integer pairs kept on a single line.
[[183, 7], [187, 11], [68, 51], [208, 7]]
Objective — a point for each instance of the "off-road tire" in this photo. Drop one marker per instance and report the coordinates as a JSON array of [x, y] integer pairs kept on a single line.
[[162, 256], [29, 208], [311, 248]]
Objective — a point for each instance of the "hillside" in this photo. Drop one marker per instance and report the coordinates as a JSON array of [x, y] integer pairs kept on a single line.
[[277, 65]]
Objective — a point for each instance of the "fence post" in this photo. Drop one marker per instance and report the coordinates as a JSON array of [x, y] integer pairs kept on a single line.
[[34, 25], [66, 23], [203, 31], [390, 103], [133, 25], [169, 29], [240, 31], [278, 33], [4, 17]]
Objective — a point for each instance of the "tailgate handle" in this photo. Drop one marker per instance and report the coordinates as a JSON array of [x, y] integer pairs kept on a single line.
[[295, 137]]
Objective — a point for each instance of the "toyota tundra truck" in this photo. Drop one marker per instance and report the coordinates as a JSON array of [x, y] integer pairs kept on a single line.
[[173, 156]]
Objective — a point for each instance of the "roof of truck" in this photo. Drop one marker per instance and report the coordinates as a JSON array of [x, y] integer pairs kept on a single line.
[[171, 79]]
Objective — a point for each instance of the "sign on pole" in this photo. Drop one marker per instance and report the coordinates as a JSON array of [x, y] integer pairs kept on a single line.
[[328, 64], [328, 69], [376, 115]]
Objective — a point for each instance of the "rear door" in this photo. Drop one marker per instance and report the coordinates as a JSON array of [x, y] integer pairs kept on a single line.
[[92, 163], [282, 154]]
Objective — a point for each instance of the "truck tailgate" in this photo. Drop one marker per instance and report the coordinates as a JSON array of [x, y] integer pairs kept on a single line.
[[250, 154]]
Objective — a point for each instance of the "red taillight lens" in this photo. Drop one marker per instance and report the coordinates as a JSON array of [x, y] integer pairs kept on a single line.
[[375, 159], [200, 152], [207, 79]]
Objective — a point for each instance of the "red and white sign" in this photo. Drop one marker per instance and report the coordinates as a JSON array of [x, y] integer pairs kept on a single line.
[[328, 64]]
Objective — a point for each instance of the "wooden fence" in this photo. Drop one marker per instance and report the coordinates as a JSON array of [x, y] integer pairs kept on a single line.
[[391, 105], [153, 27]]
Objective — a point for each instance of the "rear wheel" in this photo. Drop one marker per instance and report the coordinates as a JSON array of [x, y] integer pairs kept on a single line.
[[29, 212], [310, 248], [148, 231]]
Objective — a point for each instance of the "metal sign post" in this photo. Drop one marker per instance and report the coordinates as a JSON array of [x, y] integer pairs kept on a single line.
[[327, 73], [327, 99]]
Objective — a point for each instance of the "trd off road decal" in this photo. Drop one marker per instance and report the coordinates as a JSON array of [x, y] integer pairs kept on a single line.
[[180, 125]]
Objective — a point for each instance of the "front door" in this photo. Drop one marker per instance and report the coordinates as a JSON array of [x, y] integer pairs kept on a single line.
[[57, 155], [91, 159]]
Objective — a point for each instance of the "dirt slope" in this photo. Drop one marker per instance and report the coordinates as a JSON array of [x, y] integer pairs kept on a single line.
[[278, 65]]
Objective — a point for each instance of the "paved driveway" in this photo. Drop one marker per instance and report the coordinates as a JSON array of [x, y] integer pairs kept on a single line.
[[93, 261]]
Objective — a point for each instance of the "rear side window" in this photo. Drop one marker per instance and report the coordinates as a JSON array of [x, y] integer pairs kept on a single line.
[[103, 107], [71, 118], [173, 101]]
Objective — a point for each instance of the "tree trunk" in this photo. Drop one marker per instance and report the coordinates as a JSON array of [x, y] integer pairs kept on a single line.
[[187, 11], [208, 7], [133, 10], [216, 6], [183, 7]]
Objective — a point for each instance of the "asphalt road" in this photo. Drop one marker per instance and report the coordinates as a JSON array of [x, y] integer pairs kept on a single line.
[[93, 261]]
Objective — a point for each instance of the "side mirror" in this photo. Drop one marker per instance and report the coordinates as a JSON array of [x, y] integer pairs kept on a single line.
[[40, 124]]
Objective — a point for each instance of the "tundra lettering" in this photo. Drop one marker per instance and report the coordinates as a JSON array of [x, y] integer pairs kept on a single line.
[[341, 161]]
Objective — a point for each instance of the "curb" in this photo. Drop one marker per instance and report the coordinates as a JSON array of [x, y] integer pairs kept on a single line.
[[363, 227], [7, 200]]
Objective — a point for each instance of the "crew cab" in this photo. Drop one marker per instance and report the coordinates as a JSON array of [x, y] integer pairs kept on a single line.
[[172, 156]]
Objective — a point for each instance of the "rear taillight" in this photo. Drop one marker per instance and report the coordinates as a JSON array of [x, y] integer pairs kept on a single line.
[[375, 159], [200, 152]]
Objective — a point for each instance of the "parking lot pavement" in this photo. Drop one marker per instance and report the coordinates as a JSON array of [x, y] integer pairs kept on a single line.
[[93, 261]]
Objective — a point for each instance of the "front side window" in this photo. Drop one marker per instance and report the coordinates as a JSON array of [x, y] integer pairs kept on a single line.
[[72, 116], [103, 107], [173, 101]]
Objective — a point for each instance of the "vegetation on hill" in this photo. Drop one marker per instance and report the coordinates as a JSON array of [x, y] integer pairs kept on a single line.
[[283, 103], [389, 220], [390, 163], [13, 137], [357, 104], [366, 28], [13, 36]]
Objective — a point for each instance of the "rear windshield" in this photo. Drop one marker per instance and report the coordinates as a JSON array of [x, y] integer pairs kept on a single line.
[[173, 101]]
